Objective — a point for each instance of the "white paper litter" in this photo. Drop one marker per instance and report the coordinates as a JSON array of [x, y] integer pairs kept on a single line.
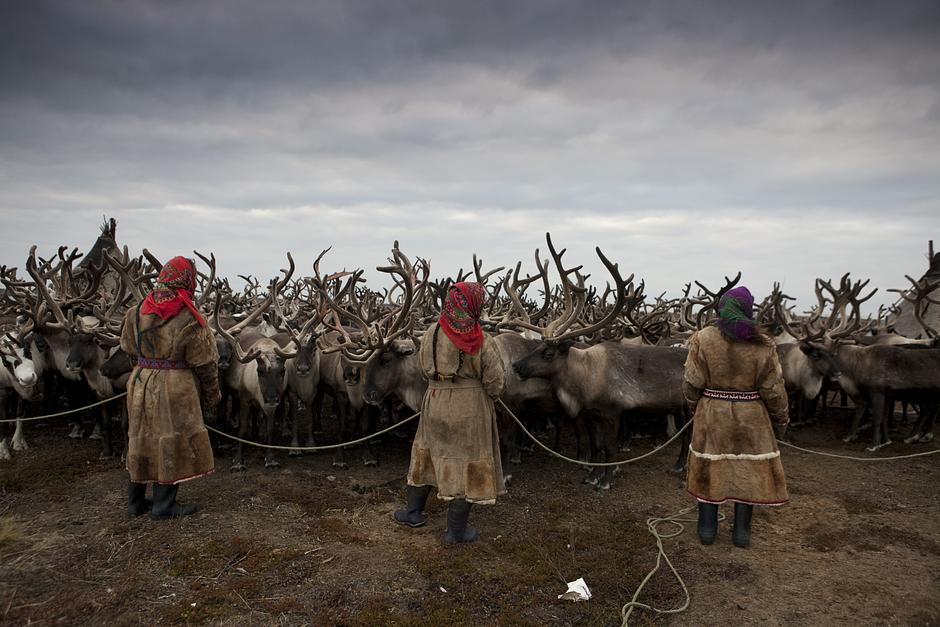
[[577, 591]]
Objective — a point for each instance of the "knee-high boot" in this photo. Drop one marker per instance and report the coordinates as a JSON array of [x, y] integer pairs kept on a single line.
[[165, 505], [707, 522], [457, 530], [137, 503], [416, 497], [741, 536]]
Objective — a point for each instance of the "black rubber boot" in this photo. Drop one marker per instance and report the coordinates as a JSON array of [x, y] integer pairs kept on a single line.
[[416, 498], [137, 503], [741, 536], [457, 530], [707, 522], [165, 505]]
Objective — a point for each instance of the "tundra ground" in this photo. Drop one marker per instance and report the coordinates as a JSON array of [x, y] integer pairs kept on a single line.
[[310, 544]]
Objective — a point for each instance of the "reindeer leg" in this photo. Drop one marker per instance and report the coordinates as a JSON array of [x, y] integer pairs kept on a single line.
[[610, 427], [238, 464], [557, 445], [107, 450], [508, 430], [19, 440], [860, 406], [316, 411], [287, 430], [4, 448], [270, 421], [295, 426], [308, 427], [922, 431], [594, 438], [343, 413], [930, 418], [579, 424], [879, 437], [914, 434], [625, 434], [684, 442], [368, 414]]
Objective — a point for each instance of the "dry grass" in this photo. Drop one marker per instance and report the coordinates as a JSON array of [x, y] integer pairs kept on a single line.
[[310, 544], [10, 532]]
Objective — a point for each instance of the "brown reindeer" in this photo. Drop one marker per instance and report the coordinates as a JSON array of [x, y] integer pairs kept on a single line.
[[607, 380]]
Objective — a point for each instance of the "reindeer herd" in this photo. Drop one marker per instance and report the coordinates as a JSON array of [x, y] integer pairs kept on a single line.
[[605, 364]]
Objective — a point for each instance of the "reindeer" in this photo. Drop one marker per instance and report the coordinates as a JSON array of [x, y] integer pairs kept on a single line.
[[73, 337], [348, 354], [302, 374], [873, 376], [257, 375], [606, 380], [18, 380]]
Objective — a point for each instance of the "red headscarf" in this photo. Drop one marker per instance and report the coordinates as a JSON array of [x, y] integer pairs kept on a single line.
[[173, 291], [460, 318]]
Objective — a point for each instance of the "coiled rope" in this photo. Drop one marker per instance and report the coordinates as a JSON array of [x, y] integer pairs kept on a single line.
[[653, 523]]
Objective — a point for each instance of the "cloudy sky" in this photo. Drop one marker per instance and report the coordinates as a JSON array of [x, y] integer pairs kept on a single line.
[[689, 140]]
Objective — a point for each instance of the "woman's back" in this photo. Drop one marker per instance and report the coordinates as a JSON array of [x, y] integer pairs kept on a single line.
[[730, 365]]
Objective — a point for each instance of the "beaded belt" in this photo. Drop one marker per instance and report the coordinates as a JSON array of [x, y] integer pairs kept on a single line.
[[161, 364], [731, 395]]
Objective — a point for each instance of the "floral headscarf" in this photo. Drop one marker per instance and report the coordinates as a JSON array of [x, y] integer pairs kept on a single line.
[[173, 291], [736, 315], [460, 318]]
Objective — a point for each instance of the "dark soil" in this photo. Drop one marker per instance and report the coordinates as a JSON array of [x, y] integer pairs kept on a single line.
[[310, 544]]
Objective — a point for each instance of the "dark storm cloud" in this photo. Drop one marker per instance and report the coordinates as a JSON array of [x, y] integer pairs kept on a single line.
[[807, 133]]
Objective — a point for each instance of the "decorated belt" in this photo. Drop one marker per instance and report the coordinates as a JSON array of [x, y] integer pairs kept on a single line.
[[731, 395], [454, 384], [161, 364]]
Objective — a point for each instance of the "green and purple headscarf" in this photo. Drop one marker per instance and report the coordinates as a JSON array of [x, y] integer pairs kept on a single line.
[[736, 315]]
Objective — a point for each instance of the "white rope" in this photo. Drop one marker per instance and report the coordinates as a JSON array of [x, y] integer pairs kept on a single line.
[[652, 525], [66, 412], [315, 448], [861, 459], [593, 464]]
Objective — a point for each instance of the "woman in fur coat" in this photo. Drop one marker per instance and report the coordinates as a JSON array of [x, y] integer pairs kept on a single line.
[[456, 448], [734, 385]]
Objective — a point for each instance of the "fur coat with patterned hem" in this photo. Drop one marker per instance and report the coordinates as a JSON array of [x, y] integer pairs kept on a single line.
[[456, 447], [167, 439], [733, 454]]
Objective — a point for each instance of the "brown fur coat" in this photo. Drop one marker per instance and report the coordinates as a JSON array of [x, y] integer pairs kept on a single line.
[[734, 454], [456, 447], [167, 440]]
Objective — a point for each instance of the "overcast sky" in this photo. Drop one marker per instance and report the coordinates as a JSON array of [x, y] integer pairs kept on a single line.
[[689, 140]]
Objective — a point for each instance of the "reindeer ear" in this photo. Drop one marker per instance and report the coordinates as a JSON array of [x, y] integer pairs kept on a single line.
[[807, 348], [564, 346]]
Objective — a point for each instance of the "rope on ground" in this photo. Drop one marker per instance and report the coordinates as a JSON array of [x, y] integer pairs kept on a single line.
[[593, 464], [66, 412], [652, 525], [315, 448], [860, 459]]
